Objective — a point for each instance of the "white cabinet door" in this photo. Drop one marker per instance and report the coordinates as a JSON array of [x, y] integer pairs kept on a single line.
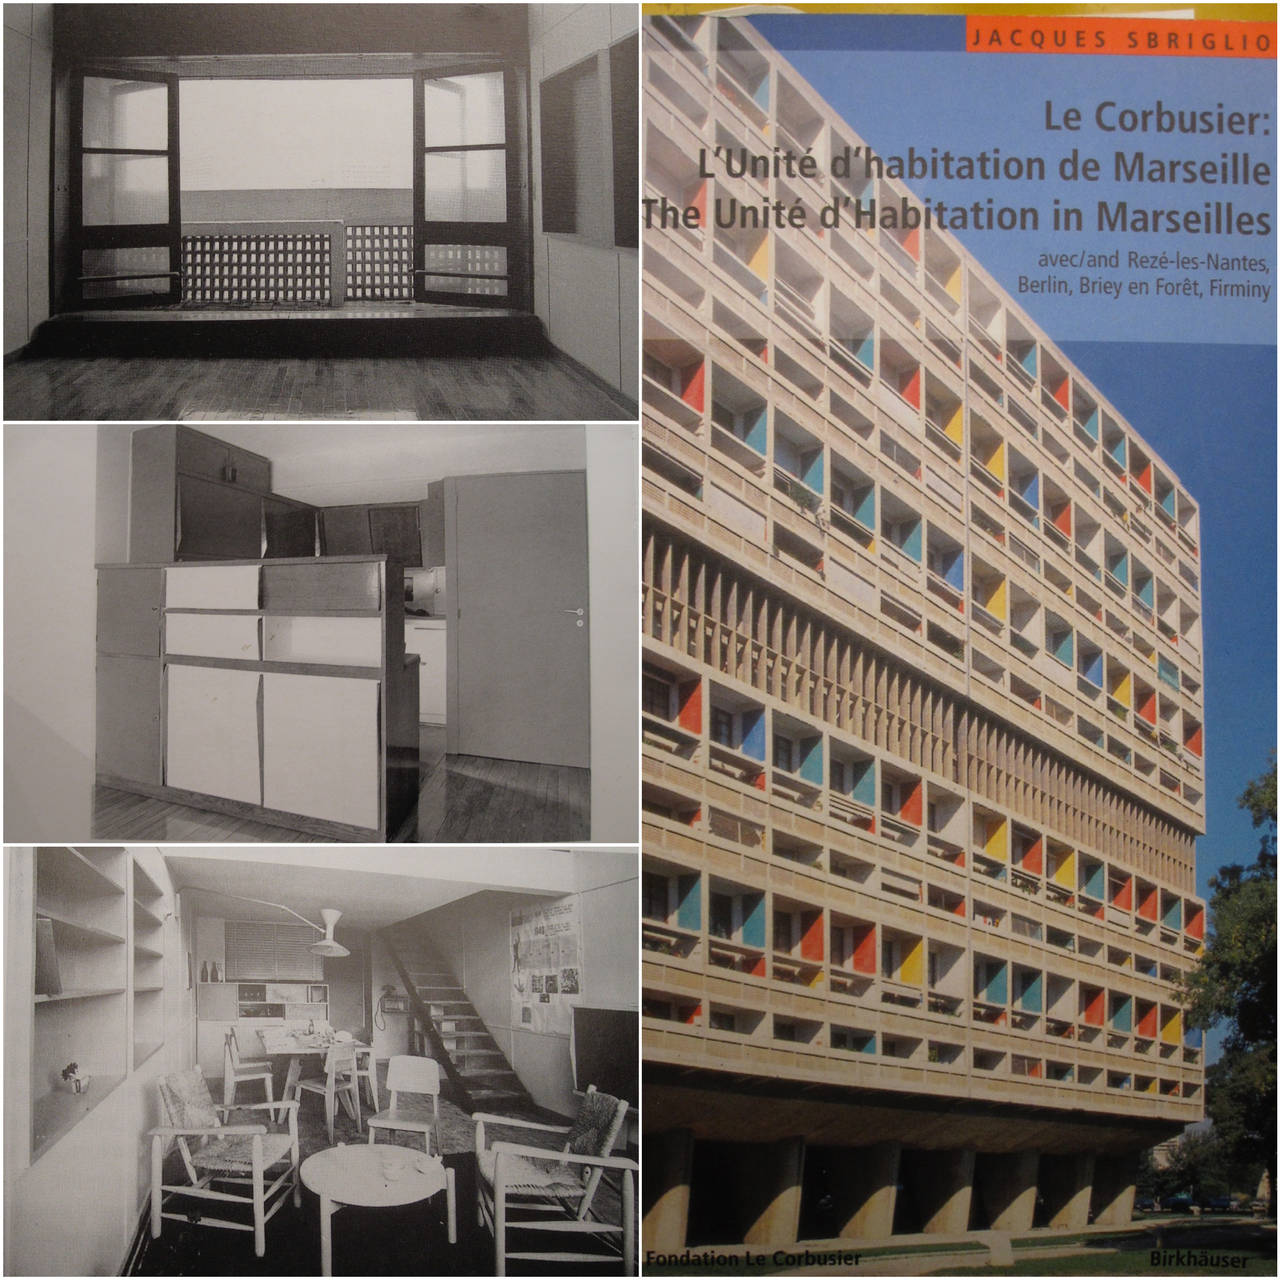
[[212, 732], [429, 641], [320, 747]]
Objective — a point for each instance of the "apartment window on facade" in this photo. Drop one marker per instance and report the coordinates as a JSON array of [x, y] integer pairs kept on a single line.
[[722, 726], [656, 695], [590, 148]]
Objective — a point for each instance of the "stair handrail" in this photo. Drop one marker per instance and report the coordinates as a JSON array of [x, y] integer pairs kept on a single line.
[[423, 1014]]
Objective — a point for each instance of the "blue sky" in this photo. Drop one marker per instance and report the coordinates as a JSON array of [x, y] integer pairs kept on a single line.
[[1200, 387]]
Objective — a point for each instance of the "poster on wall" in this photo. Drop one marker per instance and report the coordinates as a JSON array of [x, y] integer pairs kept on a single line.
[[546, 965]]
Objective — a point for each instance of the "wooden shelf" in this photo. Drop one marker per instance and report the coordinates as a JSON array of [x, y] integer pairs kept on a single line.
[[151, 953], [76, 872], [144, 915], [58, 1112], [84, 993], [81, 932]]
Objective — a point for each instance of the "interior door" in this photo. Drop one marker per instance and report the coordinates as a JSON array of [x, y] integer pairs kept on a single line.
[[126, 225], [518, 619], [464, 187]]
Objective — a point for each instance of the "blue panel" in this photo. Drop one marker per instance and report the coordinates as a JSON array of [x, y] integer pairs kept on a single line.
[[865, 510], [1091, 668], [1193, 1037], [865, 351], [1119, 567], [1030, 1000], [1122, 1015], [1147, 592], [1064, 648], [1091, 425], [1095, 881], [811, 764], [911, 544], [1167, 671], [813, 473], [757, 432], [689, 912], [1030, 494], [753, 733], [954, 574], [1028, 361], [1173, 914], [998, 988], [761, 94], [1169, 502], [864, 781], [1118, 451], [753, 920]]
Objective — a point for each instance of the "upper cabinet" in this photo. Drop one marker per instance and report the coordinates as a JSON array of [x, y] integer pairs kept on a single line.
[[194, 497], [412, 533]]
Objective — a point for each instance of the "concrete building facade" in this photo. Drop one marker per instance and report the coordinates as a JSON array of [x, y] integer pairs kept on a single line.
[[922, 716]]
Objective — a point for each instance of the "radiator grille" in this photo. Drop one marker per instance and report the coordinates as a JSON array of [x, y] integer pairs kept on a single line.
[[379, 263], [283, 268]]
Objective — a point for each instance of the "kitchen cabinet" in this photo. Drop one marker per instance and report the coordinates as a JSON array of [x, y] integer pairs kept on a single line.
[[129, 603], [402, 530], [320, 747], [427, 638], [212, 732], [198, 454], [288, 527], [217, 521], [216, 1000], [127, 733]]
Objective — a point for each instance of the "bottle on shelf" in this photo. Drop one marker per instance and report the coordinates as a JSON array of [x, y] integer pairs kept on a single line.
[[213, 973], [204, 971]]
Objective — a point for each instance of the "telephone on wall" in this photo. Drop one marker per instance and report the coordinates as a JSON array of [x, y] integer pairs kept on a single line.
[[389, 1002]]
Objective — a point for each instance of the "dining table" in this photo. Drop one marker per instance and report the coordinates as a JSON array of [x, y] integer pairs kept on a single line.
[[295, 1045]]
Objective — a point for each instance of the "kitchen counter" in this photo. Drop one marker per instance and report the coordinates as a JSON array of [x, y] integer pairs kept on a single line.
[[276, 689]]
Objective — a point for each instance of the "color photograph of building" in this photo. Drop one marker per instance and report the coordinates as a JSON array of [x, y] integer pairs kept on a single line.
[[923, 711]]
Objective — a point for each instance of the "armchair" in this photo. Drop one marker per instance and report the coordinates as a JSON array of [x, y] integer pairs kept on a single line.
[[216, 1152], [529, 1188]]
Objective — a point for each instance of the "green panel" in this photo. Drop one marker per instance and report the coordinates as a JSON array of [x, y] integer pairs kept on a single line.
[[689, 912]]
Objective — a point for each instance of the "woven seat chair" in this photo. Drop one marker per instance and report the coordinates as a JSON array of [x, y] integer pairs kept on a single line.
[[528, 1188], [226, 1154]]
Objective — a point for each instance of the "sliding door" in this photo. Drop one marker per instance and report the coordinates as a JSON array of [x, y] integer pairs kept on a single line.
[[465, 188], [125, 204]]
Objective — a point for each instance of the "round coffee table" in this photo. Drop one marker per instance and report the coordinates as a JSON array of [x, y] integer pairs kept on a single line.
[[375, 1177]]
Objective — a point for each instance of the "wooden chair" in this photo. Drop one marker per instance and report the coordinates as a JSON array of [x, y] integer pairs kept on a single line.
[[367, 1070], [339, 1083], [237, 1070], [408, 1074], [533, 1189], [226, 1154]]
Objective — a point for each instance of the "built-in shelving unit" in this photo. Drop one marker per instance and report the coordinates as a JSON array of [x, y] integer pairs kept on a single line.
[[148, 965], [79, 994]]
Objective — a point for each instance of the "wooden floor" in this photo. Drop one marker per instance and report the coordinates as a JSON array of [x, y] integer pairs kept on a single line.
[[463, 799], [176, 389]]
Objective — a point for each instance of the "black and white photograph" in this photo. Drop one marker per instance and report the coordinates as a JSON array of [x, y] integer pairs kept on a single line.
[[343, 1090], [357, 211]]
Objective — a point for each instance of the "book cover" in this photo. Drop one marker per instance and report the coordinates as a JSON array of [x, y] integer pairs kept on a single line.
[[959, 422]]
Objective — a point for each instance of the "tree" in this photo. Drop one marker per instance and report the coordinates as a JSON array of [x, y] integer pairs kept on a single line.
[[1235, 985]]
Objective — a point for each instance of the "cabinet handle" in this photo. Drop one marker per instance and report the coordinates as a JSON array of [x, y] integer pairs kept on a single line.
[[575, 612]]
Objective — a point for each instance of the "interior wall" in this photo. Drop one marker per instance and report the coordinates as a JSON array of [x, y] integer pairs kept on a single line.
[[28, 75], [49, 626], [476, 933], [613, 568], [585, 293], [99, 1171]]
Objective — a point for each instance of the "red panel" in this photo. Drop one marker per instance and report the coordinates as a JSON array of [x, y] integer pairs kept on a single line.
[[864, 950], [1147, 1024], [1144, 477], [811, 942], [1124, 899], [1033, 859], [690, 715], [1195, 743], [759, 783], [1093, 1011], [700, 203], [1062, 520], [695, 1012], [1148, 709], [695, 389], [1062, 393], [1195, 925], [913, 806], [757, 969], [1149, 906], [909, 388]]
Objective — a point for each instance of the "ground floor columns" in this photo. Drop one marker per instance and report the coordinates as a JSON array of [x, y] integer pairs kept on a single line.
[[944, 1189], [864, 1186], [1066, 1183], [769, 1191], [1114, 1184], [668, 1172], [1007, 1186]]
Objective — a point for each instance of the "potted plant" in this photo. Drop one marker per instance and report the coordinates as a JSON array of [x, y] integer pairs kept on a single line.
[[76, 1080]]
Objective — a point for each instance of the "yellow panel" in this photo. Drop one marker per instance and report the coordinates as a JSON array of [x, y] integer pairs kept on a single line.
[[1171, 1032], [997, 845], [1066, 873], [954, 430], [912, 971], [995, 463], [760, 260], [997, 602], [1124, 690], [956, 283]]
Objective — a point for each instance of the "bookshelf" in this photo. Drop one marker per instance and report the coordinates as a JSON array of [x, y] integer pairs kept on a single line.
[[80, 982], [148, 965]]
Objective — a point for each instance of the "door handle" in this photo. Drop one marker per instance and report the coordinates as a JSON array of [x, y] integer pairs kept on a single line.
[[578, 614]]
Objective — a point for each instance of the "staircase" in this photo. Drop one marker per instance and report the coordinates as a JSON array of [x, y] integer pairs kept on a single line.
[[455, 1034]]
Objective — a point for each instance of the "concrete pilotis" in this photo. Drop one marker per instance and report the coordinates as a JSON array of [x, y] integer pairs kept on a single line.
[[1007, 1187], [1066, 1183], [769, 1190], [864, 1185], [668, 1171], [1114, 1184], [944, 1190]]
